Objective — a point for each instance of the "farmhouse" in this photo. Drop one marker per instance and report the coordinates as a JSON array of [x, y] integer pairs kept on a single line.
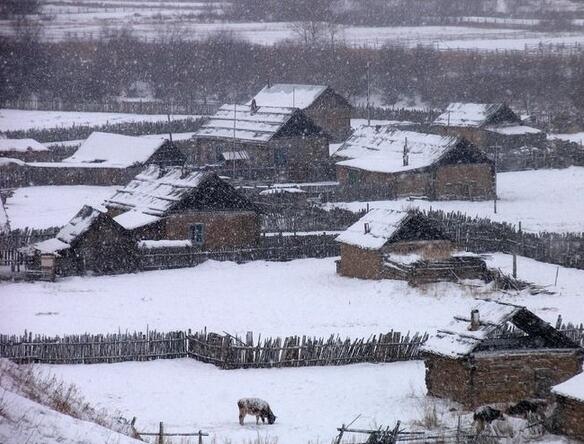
[[262, 141], [106, 159], [27, 150], [487, 126], [388, 244], [91, 242], [327, 108], [176, 204], [498, 353], [384, 162], [569, 412]]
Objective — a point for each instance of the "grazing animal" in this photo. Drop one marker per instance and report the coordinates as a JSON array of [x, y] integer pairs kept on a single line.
[[255, 407], [486, 415], [525, 407]]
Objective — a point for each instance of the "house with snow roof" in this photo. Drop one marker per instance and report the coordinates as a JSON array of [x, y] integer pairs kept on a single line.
[[91, 242], [175, 204], [261, 141], [498, 352], [328, 109], [383, 162], [27, 150], [568, 416], [487, 125], [389, 244], [106, 159]]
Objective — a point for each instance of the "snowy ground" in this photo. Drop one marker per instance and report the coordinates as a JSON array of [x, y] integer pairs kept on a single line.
[[14, 120], [188, 395], [272, 298], [52, 206], [542, 200]]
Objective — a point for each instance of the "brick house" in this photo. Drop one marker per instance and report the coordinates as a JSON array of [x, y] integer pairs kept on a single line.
[[91, 242], [498, 353], [265, 142], [383, 162], [388, 244], [106, 159], [327, 108], [568, 416], [176, 204]]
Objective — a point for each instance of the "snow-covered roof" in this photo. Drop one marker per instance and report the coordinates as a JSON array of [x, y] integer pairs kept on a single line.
[[115, 150], [4, 161], [133, 219], [21, 145], [457, 340], [289, 95], [572, 388], [155, 191], [49, 246], [381, 149], [374, 229], [473, 115], [243, 123], [154, 244], [513, 130]]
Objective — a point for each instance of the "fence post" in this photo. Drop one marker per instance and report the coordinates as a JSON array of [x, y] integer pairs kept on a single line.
[[161, 434], [200, 437]]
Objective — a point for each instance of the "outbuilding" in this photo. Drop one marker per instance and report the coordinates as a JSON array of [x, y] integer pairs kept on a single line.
[[177, 204], [498, 352], [382, 162], [328, 109], [568, 417], [91, 242], [27, 150], [388, 244]]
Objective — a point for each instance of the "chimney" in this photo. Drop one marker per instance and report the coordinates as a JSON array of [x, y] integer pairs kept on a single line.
[[254, 107], [366, 227], [475, 320]]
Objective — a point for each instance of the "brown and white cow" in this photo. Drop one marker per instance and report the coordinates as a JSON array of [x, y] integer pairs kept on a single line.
[[255, 407]]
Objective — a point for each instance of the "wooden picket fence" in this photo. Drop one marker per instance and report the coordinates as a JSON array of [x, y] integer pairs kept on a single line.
[[230, 352]]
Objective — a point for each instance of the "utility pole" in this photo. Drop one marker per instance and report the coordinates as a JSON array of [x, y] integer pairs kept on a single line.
[[495, 178], [234, 137], [368, 97]]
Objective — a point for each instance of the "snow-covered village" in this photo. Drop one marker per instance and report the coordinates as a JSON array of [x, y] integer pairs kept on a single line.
[[291, 222]]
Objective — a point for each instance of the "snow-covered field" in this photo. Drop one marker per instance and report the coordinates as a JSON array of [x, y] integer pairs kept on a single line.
[[52, 206], [272, 298], [310, 403], [14, 120], [542, 200]]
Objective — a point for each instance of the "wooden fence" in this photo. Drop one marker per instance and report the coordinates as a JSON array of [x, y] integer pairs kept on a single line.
[[273, 248], [229, 352]]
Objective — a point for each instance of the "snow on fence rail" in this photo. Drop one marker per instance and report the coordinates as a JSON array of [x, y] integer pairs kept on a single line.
[[223, 350]]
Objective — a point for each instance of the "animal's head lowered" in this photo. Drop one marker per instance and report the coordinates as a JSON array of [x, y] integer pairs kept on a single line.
[[271, 418]]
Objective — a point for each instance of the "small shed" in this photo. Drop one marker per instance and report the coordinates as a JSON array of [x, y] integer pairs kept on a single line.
[[91, 242], [388, 244], [487, 125], [568, 417], [498, 352], [382, 162], [27, 150], [328, 109], [106, 159], [261, 142], [177, 204]]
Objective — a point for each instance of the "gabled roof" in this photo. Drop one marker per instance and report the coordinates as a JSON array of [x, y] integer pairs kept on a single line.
[[572, 388], [115, 150], [289, 95], [472, 115], [381, 224], [243, 123], [155, 191], [21, 145], [381, 149], [70, 233], [458, 340]]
